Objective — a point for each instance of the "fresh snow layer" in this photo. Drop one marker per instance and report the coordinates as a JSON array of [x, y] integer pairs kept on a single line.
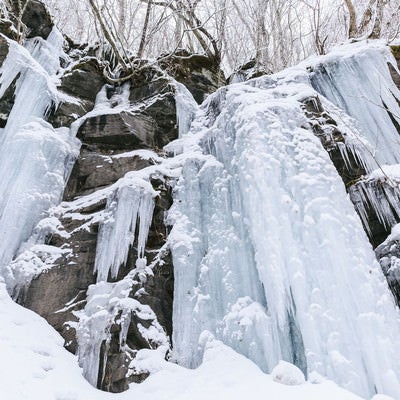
[[36, 367]]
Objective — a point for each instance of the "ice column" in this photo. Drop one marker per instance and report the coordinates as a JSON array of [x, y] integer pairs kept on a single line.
[[33, 156], [269, 254]]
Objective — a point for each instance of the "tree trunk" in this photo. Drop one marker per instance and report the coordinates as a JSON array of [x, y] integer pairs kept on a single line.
[[352, 19], [144, 31], [377, 28], [107, 35]]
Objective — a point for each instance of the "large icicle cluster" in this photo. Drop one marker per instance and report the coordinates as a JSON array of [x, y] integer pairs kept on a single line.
[[360, 84], [269, 254], [126, 205], [33, 179], [127, 217], [109, 304]]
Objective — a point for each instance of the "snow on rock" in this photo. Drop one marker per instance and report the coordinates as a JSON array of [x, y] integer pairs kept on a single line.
[[106, 302], [287, 374]]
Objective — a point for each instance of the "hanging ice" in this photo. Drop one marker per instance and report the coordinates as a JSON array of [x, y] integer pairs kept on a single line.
[[359, 82], [34, 177], [186, 108], [269, 254], [107, 302], [117, 233]]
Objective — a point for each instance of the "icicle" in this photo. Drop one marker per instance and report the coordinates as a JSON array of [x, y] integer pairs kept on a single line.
[[109, 303], [117, 232], [379, 195], [362, 86], [32, 154], [186, 108]]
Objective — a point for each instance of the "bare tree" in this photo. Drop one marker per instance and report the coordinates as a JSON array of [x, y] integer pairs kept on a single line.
[[373, 10]]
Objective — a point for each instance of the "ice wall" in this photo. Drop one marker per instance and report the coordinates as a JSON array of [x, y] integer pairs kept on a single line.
[[359, 82], [34, 157], [269, 254]]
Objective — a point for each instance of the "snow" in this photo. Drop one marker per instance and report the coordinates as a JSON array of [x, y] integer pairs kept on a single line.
[[287, 374], [273, 271], [36, 366]]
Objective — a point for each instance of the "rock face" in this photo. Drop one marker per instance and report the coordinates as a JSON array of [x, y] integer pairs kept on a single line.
[[197, 72], [35, 17], [7, 100], [388, 254], [82, 83], [110, 149]]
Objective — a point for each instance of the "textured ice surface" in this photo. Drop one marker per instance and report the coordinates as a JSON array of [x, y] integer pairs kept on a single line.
[[34, 158], [359, 82], [268, 251], [270, 257], [125, 206]]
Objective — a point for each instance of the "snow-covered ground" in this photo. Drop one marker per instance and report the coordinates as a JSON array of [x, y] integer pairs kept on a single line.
[[35, 366]]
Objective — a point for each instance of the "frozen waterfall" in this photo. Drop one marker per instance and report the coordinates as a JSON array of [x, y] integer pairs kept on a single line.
[[360, 84], [269, 254], [33, 179]]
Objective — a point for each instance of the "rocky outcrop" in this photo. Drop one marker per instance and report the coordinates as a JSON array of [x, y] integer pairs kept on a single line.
[[247, 71], [82, 82], [350, 169], [35, 17], [136, 120], [388, 254], [395, 75], [7, 100], [200, 74], [7, 28]]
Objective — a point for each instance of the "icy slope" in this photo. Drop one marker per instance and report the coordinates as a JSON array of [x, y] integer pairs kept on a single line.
[[269, 253]]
